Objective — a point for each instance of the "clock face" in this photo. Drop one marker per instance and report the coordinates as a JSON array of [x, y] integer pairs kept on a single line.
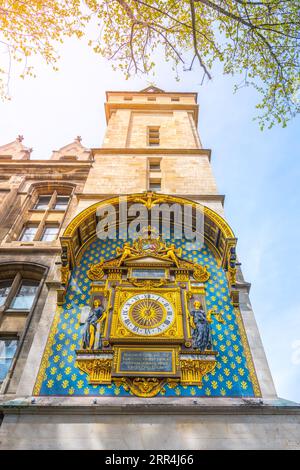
[[147, 314]]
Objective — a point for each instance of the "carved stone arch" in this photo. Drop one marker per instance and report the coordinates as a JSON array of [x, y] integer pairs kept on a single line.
[[47, 186], [82, 229], [17, 270], [28, 268], [36, 189]]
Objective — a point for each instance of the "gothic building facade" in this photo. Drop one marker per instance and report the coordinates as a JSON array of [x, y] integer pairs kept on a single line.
[[108, 340]]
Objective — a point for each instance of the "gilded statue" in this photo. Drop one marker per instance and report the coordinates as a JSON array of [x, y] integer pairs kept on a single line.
[[127, 252], [170, 252], [201, 336], [160, 249], [96, 315], [218, 315]]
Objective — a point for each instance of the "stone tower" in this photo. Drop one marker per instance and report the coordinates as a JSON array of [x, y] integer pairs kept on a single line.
[[123, 342]]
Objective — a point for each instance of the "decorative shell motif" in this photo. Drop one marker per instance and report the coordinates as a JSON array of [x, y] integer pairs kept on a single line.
[[200, 273], [95, 273], [142, 387]]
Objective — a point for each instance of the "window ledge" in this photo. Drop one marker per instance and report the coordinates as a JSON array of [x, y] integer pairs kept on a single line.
[[37, 210], [17, 311], [35, 244], [57, 210]]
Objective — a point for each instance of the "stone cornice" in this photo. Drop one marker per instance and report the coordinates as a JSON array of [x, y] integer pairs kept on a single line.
[[168, 93], [151, 150], [28, 249], [146, 406], [21, 164], [39, 169], [151, 106], [197, 197], [243, 286]]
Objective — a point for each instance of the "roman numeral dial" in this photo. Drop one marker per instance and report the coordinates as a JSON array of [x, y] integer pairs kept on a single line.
[[147, 314]]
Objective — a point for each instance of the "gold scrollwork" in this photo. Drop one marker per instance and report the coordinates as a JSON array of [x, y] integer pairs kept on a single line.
[[95, 273], [182, 276], [231, 275], [122, 332], [98, 370], [141, 386], [149, 199], [115, 275], [229, 262], [201, 273], [193, 370], [218, 315], [171, 332], [122, 296], [65, 274], [147, 283]]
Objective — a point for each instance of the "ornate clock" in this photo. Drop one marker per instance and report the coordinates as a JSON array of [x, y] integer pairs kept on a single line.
[[146, 335], [147, 314]]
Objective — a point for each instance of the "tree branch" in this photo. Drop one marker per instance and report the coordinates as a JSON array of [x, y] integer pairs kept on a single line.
[[195, 44]]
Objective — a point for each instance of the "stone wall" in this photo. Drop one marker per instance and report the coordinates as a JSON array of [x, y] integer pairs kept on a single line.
[[191, 426], [180, 174]]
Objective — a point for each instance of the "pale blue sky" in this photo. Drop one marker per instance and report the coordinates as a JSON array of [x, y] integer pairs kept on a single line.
[[259, 172]]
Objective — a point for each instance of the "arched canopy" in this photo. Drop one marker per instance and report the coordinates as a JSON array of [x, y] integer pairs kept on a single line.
[[82, 229]]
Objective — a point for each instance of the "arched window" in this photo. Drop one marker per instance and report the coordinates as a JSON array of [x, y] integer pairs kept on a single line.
[[43, 213], [56, 201], [20, 285]]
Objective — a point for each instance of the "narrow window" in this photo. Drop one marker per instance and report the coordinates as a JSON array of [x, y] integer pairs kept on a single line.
[[174, 98], [61, 203], [153, 136], [25, 296], [127, 98], [151, 98], [4, 290], [29, 233], [8, 348], [154, 165], [50, 233], [42, 203], [155, 185], [69, 158], [20, 284]]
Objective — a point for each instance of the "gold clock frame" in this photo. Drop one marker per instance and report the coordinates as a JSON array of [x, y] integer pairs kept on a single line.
[[173, 334]]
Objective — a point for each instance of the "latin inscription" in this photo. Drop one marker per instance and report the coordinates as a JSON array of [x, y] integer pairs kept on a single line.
[[148, 273], [146, 361]]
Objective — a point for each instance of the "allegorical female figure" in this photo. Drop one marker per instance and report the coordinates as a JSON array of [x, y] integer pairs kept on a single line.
[[201, 337], [96, 315]]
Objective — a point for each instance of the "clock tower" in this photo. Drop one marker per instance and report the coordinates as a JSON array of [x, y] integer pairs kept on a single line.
[[141, 333]]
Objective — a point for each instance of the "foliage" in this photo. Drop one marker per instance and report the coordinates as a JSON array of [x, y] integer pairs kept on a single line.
[[255, 40], [35, 27]]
